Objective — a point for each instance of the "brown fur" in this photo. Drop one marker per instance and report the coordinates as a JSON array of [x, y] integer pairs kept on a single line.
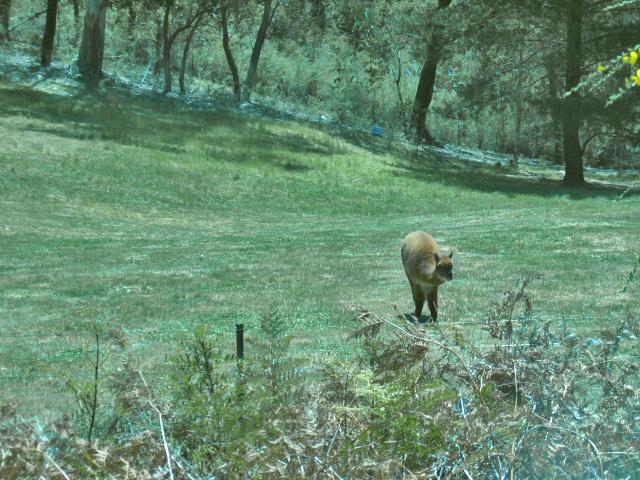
[[426, 270]]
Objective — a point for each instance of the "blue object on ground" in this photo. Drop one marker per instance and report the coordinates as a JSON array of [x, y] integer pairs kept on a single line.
[[376, 130]]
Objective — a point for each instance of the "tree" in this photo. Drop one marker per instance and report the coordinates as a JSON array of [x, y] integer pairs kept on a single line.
[[5, 15], [92, 44], [553, 85], [167, 42], [424, 91], [76, 11], [578, 115], [268, 13], [252, 73], [185, 52], [132, 13], [561, 42], [168, 39], [501, 74], [571, 117], [49, 33], [224, 20]]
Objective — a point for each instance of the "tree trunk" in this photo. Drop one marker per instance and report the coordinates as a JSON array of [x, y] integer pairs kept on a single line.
[[166, 47], [133, 17], [574, 172], [318, 13], [424, 92], [518, 114], [518, 131], [424, 95], [185, 53], [157, 41], [5, 13], [76, 22], [252, 72], [76, 11], [552, 79], [49, 35], [227, 50], [92, 44], [168, 40]]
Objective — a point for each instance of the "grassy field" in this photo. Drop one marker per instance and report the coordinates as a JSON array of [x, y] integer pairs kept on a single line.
[[154, 217]]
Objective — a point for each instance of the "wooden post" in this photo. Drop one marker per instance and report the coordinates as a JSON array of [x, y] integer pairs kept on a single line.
[[239, 340]]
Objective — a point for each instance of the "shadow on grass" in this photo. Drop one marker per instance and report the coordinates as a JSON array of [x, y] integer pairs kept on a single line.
[[440, 167], [168, 124], [159, 123], [487, 178]]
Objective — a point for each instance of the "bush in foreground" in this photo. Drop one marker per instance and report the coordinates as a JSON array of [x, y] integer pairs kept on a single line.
[[541, 402]]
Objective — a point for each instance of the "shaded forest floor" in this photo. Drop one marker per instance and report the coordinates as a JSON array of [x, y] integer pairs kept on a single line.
[[154, 216]]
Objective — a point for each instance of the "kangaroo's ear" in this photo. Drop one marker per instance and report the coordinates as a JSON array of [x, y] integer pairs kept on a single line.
[[451, 255], [436, 257]]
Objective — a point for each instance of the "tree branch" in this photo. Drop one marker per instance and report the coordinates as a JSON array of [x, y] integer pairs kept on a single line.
[[32, 17]]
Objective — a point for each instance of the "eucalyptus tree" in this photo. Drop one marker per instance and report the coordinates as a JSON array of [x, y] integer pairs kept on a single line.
[[133, 8], [5, 17], [92, 44], [359, 40], [425, 33], [187, 47], [46, 51], [424, 92], [243, 10], [187, 13], [76, 11], [268, 12], [583, 31], [228, 51], [535, 55], [571, 109]]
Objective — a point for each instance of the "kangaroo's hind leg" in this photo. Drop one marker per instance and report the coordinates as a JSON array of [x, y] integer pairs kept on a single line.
[[432, 302], [418, 298]]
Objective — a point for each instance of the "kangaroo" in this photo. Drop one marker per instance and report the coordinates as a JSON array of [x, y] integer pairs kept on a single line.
[[426, 270]]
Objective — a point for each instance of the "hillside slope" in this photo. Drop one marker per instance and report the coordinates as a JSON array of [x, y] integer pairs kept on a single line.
[[153, 217]]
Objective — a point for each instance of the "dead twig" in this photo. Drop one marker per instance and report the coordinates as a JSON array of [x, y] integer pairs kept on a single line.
[[94, 400], [58, 467], [164, 438], [191, 477], [581, 435], [333, 440], [425, 339], [515, 381]]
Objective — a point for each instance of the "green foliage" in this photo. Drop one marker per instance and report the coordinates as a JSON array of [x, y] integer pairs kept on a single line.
[[222, 411], [387, 415], [358, 63]]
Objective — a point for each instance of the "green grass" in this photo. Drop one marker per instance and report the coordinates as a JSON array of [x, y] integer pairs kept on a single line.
[[154, 217]]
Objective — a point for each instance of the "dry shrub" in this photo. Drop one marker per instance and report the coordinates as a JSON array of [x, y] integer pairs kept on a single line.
[[32, 450], [541, 402]]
